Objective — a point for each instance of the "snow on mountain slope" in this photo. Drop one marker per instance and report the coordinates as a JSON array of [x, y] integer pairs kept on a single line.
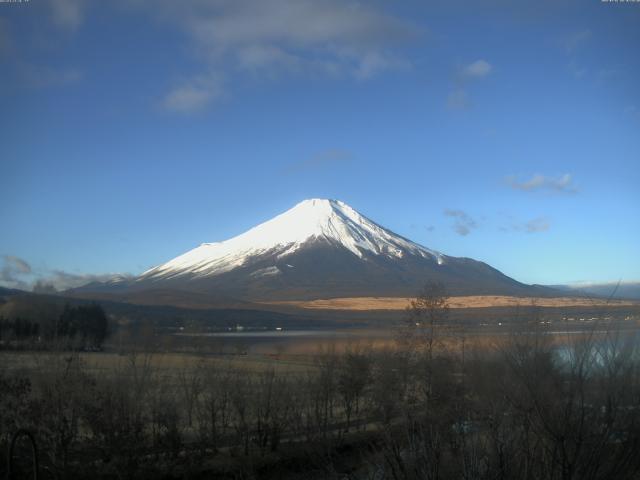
[[317, 249], [311, 220]]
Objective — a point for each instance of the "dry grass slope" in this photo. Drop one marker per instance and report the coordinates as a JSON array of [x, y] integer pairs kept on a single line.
[[472, 301]]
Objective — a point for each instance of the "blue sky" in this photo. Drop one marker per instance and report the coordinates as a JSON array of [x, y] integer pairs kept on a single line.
[[133, 130]]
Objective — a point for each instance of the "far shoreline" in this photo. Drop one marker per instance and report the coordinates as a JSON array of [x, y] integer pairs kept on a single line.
[[457, 302]]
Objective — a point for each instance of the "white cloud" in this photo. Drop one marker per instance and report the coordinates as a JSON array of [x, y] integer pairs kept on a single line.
[[195, 94], [329, 26], [458, 98], [269, 37], [60, 280], [255, 57], [561, 184], [373, 63], [16, 264], [282, 37], [14, 272], [477, 69]]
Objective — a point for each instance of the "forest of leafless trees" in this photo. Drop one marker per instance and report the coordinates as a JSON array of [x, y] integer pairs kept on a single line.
[[436, 406]]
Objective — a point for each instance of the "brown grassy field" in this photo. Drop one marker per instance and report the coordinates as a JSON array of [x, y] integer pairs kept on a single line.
[[168, 364], [298, 354], [473, 301]]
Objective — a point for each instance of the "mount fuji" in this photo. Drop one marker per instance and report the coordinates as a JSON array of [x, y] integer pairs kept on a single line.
[[318, 249]]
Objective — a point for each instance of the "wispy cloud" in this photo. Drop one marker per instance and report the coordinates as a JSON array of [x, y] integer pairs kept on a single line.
[[265, 38], [283, 37], [67, 14], [577, 70], [16, 264], [459, 98], [42, 76], [345, 33], [373, 63], [561, 184], [539, 224], [30, 73], [535, 225], [195, 94], [572, 43], [575, 40], [477, 69], [463, 224], [321, 160], [61, 280], [14, 271]]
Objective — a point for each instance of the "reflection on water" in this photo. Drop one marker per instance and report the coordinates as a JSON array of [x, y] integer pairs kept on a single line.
[[288, 341], [601, 348], [273, 334], [312, 340]]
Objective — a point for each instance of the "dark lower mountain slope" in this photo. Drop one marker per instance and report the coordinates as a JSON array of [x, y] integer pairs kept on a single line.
[[321, 269], [318, 249]]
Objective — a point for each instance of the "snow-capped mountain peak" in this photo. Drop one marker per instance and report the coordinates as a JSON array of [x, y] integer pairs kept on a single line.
[[309, 221]]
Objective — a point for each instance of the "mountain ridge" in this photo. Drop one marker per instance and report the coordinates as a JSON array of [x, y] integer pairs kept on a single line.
[[319, 249], [309, 220]]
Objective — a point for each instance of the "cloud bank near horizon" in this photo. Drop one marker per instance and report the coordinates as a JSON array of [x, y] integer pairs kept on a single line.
[[18, 273]]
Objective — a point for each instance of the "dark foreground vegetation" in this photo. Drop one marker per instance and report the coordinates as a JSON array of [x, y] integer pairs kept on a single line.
[[76, 327], [437, 406]]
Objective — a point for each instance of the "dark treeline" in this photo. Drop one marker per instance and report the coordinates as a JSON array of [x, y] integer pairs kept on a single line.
[[523, 410], [439, 405], [20, 329], [82, 326]]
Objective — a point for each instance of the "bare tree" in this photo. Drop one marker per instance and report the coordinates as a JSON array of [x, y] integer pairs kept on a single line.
[[191, 386], [353, 377], [214, 405], [425, 315]]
